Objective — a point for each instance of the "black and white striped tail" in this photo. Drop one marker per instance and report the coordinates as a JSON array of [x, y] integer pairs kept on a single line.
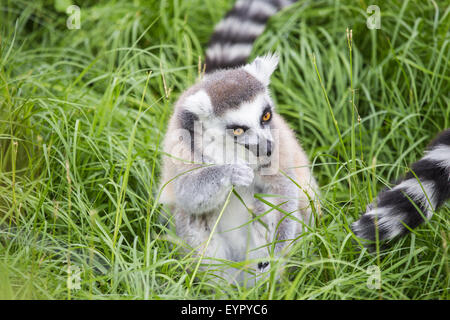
[[232, 40], [412, 199]]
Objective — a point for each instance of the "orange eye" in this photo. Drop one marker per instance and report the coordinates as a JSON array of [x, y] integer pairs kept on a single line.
[[238, 131], [267, 116]]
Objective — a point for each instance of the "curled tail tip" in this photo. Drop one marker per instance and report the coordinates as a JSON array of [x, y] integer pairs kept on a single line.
[[380, 223], [413, 200], [397, 210]]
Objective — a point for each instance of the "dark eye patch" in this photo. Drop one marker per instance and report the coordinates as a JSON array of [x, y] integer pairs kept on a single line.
[[187, 120]]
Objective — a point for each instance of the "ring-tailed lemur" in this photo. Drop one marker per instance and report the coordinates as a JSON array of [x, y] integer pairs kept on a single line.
[[230, 109], [412, 200]]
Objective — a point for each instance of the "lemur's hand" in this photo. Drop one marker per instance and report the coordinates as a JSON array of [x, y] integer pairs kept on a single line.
[[241, 175]]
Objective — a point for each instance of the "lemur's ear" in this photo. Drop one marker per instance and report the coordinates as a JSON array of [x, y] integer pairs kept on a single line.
[[199, 103], [263, 67]]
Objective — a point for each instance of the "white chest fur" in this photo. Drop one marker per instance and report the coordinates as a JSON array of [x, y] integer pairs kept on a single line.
[[243, 240]]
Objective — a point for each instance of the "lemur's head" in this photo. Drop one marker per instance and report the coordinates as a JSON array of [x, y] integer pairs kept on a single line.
[[233, 110]]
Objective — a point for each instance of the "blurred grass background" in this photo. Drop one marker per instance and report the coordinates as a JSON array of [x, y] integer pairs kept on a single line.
[[83, 113]]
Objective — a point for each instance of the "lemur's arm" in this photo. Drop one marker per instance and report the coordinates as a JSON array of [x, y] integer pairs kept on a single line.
[[204, 189]]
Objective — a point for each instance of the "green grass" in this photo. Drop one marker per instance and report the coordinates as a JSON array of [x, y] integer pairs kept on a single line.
[[83, 113]]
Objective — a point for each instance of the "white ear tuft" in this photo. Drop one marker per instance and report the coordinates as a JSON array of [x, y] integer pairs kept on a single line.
[[263, 67], [199, 103]]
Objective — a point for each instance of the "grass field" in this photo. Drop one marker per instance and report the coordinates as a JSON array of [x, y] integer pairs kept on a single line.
[[83, 113]]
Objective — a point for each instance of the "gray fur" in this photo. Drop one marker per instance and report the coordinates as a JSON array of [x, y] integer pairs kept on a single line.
[[228, 89], [205, 189], [187, 120]]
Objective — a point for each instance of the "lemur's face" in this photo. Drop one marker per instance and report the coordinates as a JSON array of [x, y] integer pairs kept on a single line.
[[234, 111], [249, 127]]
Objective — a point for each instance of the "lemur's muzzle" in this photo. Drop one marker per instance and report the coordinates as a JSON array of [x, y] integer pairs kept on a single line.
[[263, 148]]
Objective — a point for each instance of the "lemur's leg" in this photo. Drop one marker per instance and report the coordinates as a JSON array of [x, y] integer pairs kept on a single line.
[[308, 204], [196, 232], [282, 221], [204, 189]]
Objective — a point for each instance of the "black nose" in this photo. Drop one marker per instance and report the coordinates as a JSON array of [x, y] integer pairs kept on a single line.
[[269, 148], [259, 148]]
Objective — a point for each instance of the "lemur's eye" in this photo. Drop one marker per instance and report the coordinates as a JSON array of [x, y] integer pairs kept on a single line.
[[266, 116], [238, 131]]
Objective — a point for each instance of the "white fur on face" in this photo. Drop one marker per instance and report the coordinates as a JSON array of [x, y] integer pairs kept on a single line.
[[219, 145], [220, 148], [249, 114], [199, 103]]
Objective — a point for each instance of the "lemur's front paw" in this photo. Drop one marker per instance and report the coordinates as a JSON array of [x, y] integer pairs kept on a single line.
[[241, 175]]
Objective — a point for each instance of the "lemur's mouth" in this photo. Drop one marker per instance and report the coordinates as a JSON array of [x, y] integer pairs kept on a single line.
[[266, 164]]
